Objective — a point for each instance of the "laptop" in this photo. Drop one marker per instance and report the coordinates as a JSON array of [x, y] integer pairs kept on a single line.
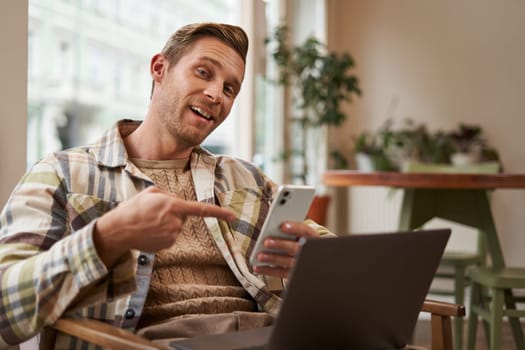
[[361, 291]]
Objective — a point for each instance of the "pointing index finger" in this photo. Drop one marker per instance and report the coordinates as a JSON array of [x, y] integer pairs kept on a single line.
[[207, 210]]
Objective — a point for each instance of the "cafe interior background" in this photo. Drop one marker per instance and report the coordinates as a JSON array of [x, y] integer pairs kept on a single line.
[[436, 62]]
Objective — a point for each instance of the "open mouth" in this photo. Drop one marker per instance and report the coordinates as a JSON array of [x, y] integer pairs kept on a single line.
[[201, 113]]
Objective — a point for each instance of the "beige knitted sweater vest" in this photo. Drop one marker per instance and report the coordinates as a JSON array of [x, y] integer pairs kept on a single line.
[[191, 277]]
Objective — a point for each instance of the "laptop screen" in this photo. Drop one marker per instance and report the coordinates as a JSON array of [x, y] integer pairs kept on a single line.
[[359, 291]]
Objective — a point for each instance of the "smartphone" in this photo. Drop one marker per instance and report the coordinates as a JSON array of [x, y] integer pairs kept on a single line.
[[291, 203]]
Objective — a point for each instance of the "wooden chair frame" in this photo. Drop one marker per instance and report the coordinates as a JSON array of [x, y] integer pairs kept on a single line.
[[111, 337]]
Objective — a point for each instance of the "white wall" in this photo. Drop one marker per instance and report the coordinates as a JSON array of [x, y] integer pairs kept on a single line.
[[13, 94], [442, 62]]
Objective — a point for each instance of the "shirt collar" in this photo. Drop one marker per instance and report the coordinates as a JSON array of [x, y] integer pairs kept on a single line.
[[110, 150]]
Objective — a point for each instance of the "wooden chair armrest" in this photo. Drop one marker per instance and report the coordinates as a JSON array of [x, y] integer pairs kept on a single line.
[[443, 308], [103, 334], [441, 326]]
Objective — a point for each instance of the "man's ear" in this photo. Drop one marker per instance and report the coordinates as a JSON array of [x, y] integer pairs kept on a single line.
[[158, 67]]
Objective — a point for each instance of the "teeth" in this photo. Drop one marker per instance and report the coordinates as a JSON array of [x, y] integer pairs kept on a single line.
[[201, 112]]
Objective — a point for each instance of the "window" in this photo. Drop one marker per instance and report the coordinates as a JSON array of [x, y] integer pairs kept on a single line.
[[89, 60], [273, 127]]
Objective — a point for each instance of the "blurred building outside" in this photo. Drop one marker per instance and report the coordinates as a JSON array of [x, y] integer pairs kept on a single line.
[[88, 65]]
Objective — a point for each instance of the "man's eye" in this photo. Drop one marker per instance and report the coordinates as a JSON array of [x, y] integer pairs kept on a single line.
[[229, 91], [202, 72]]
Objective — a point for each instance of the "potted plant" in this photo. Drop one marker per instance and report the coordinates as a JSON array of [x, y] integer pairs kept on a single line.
[[371, 150], [414, 143], [400, 148], [390, 147], [319, 82], [470, 146]]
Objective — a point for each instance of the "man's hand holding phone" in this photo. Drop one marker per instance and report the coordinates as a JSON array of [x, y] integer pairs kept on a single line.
[[280, 263], [278, 242]]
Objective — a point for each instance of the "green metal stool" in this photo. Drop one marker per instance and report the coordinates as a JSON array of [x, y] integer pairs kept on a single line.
[[492, 299], [422, 205], [454, 266]]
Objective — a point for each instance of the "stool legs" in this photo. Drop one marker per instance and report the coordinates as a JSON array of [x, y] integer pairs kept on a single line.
[[477, 305], [496, 319], [459, 295], [493, 313], [515, 323], [472, 327]]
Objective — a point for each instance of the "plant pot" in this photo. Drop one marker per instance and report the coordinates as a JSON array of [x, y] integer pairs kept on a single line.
[[372, 162], [460, 158], [319, 209], [364, 162]]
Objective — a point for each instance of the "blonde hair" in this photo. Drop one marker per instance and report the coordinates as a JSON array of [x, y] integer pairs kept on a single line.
[[181, 41]]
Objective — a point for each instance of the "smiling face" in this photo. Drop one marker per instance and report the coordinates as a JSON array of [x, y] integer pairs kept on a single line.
[[195, 95]]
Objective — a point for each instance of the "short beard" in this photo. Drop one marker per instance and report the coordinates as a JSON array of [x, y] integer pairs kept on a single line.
[[185, 136]]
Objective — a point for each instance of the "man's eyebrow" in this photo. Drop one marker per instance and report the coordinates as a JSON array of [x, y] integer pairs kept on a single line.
[[213, 61]]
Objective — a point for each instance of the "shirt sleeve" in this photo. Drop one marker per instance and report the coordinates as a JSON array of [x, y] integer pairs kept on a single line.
[[43, 264]]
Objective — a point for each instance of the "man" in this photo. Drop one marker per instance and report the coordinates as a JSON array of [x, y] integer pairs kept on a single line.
[[145, 229]]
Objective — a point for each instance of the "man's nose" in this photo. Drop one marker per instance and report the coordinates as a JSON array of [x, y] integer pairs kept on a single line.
[[214, 91]]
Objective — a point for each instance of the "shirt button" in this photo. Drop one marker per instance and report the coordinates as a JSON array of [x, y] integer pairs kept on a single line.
[[143, 259], [129, 314]]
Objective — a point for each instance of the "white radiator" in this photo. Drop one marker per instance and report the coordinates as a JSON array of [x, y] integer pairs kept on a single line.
[[376, 209]]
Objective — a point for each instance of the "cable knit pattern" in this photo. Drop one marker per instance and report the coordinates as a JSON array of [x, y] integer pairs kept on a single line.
[[191, 277]]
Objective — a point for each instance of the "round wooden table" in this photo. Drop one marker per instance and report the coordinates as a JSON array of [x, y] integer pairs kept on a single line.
[[462, 198], [423, 180]]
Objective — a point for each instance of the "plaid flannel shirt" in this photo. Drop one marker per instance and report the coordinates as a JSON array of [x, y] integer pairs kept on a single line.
[[48, 262]]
